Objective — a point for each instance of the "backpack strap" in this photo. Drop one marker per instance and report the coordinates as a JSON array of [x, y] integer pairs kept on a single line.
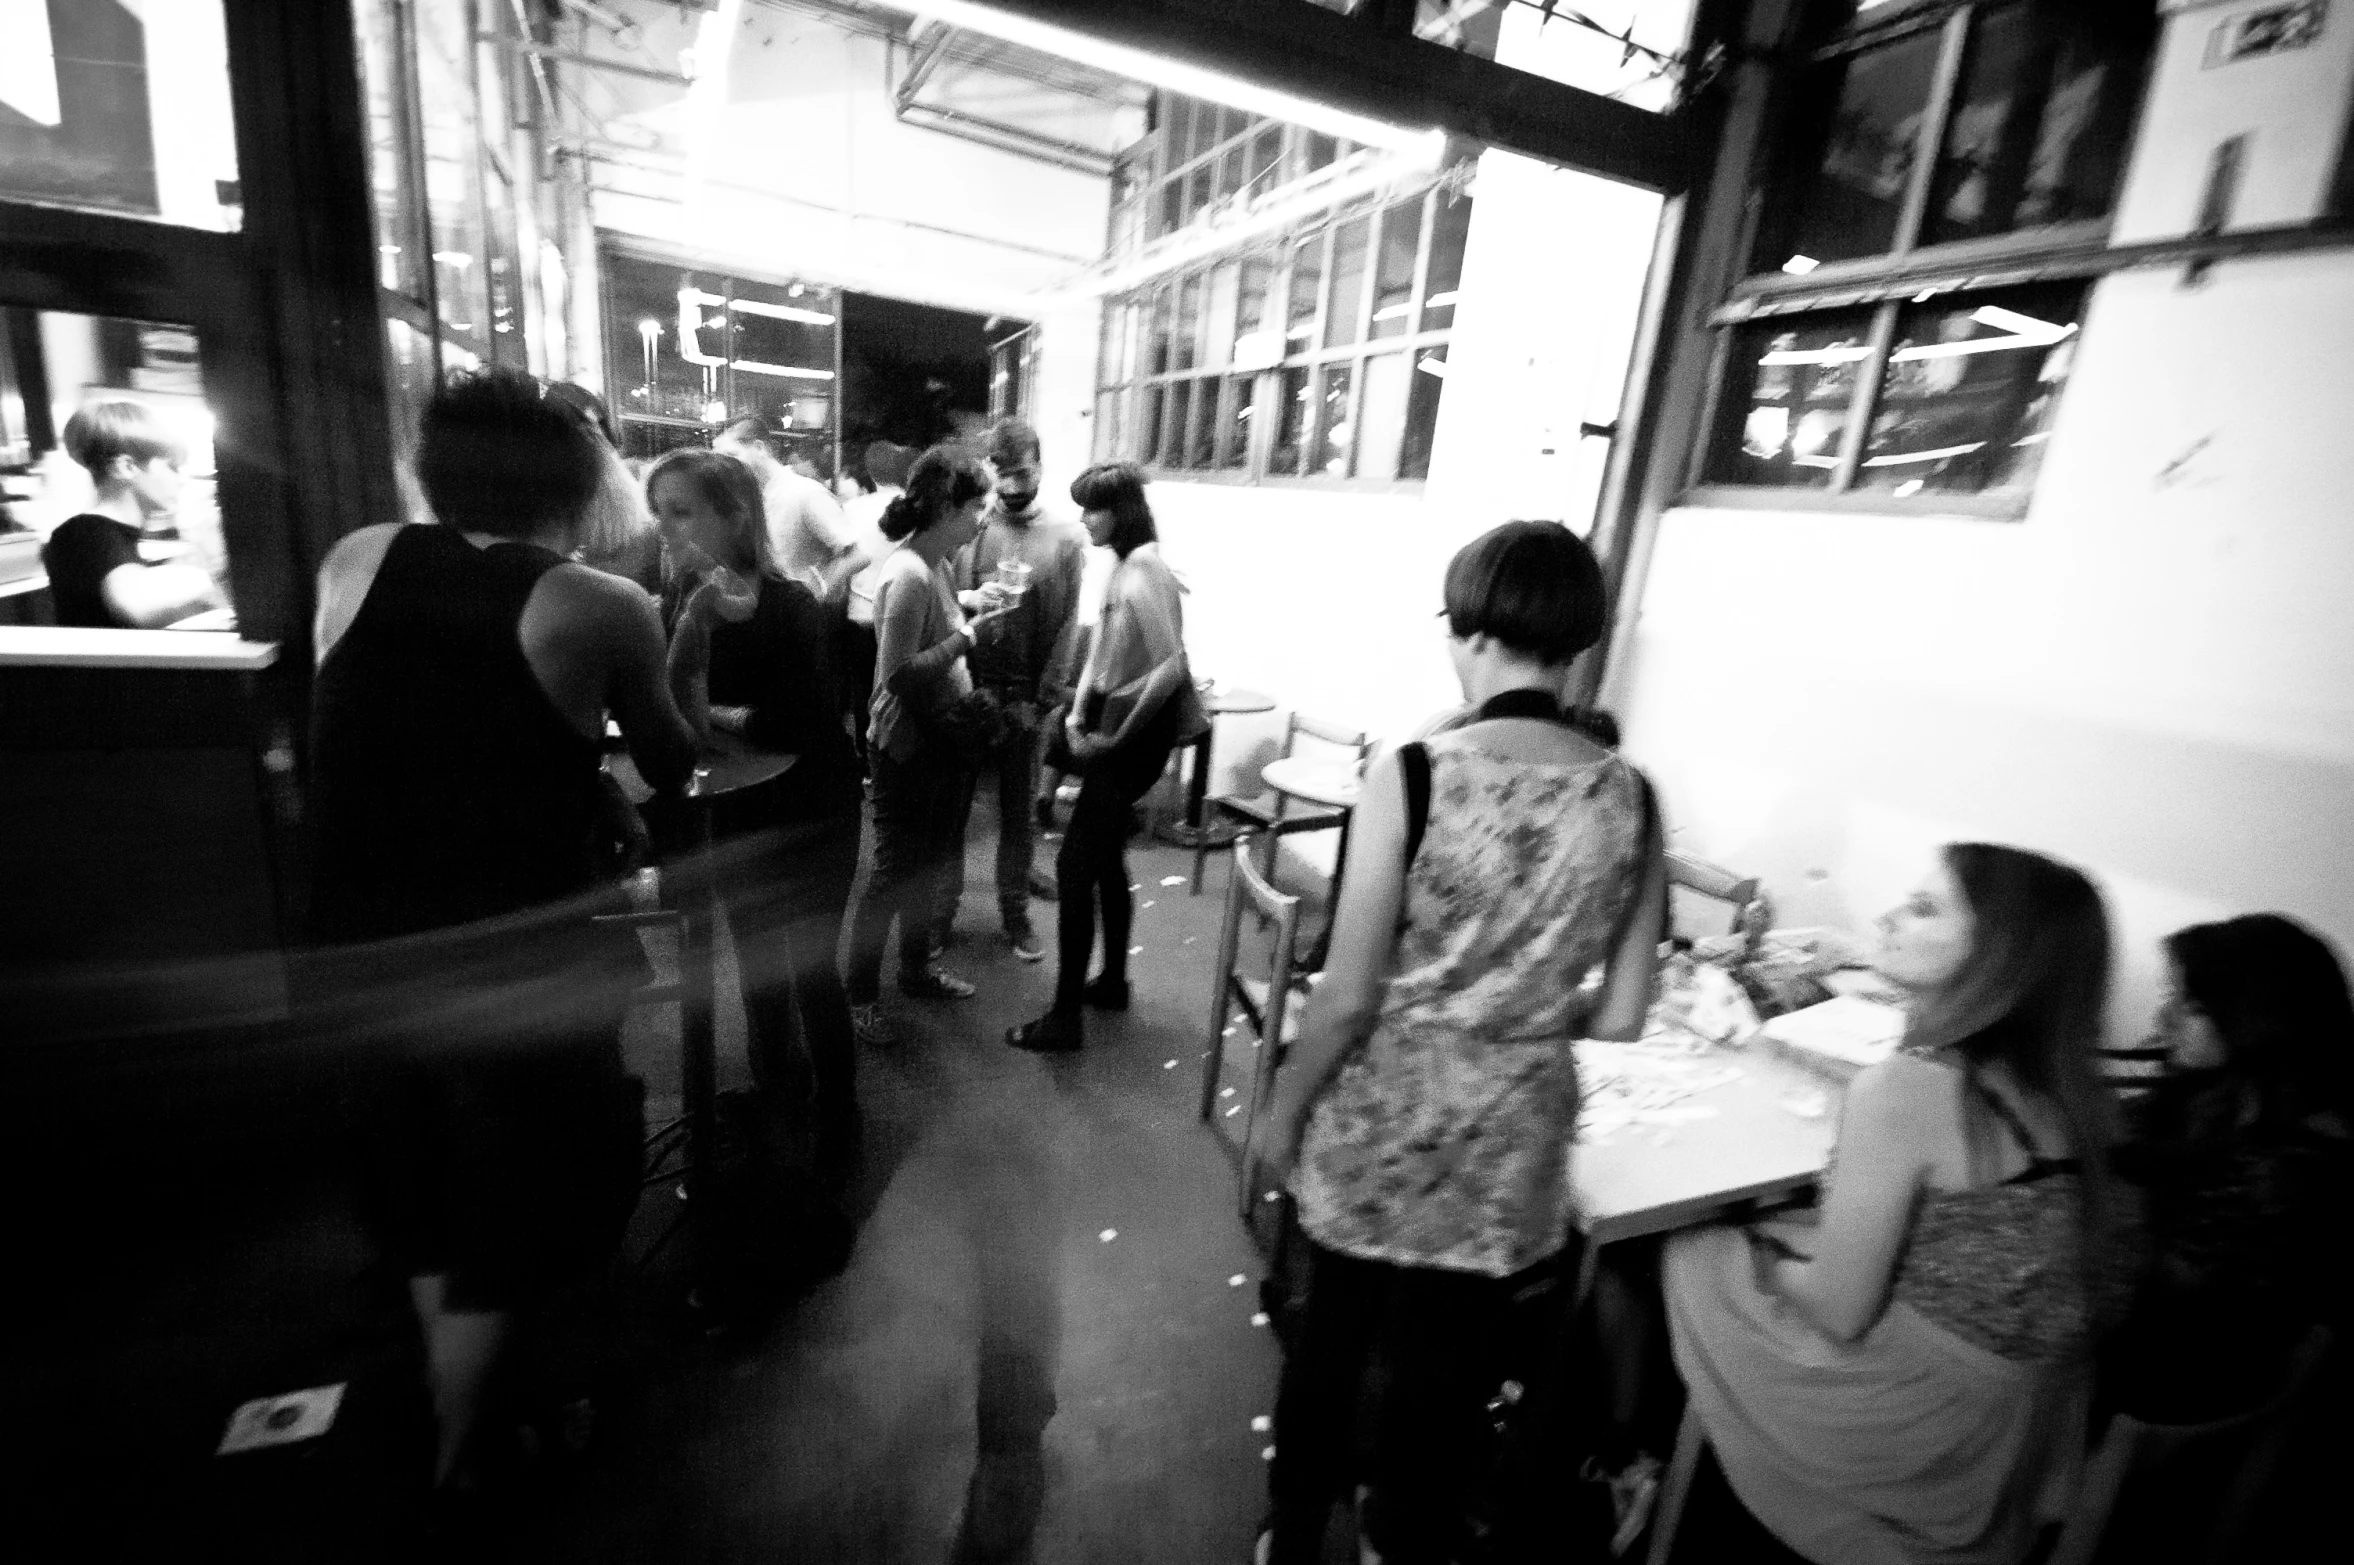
[[1414, 758]]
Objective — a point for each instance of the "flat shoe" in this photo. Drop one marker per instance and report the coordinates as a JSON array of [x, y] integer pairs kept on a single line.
[[936, 984], [1053, 1033]]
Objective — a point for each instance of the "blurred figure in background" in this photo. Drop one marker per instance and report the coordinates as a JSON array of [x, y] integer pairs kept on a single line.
[[466, 671], [807, 536], [618, 535], [886, 468], [1025, 671], [97, 577]]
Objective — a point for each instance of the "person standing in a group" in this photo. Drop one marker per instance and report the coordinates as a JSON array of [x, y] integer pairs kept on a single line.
[[920, 761], [807, 536], [1024, 672], [886, 469], [1134, 704]]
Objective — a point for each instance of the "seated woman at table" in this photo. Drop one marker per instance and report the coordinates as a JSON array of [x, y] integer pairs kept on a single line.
[[920, 762], [2243, 1151], [1135, 701], [1903, 1380], [466, 668], [751, 652], [1425, 1118]]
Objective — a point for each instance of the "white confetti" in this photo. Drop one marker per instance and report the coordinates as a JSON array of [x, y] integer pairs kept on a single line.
[[1108, 1235], [1172, 880], [1237, 1109], [1272, 1195], [1267, 1455], [1168, 1065], [1148, 904], [1237, 1280], [1259, 1319], [1188, 940], [1228, 1033], [1136, 950], [1226, 1092], [1261, 1424]]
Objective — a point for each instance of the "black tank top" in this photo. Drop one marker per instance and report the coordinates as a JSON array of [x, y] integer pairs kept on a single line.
[[445, 786]]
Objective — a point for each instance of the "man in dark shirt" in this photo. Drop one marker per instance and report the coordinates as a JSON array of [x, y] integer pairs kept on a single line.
[[96, 575]]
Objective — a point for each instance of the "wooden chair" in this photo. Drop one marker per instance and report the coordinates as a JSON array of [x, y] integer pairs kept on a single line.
[[1274, 814], [2230, 1460], [1266, 1003], [1710, 880]]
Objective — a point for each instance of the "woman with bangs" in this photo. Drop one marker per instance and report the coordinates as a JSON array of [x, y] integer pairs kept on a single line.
[[751, 652], [1900, 1376]]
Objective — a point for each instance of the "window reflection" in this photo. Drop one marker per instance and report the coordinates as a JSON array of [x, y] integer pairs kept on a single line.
[[1849, 169], [1971, 389], [1788, 407], [1336, 428]]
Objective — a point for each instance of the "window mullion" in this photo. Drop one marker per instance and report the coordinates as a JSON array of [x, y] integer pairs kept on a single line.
[[1929, 141], [1865, 403]]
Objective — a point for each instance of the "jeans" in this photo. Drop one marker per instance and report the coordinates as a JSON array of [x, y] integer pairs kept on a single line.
[[787, 887], [1012, 758], [1092, 868], [920, 805], [1442, 1339]]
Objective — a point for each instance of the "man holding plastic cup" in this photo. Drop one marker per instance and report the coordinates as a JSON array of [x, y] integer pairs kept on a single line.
[[1025, 670]]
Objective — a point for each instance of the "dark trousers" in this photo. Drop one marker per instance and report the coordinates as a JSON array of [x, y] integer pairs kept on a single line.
[[787, 887], [854, 669], [1091, 871], [1434, 1346], [1011, 757], [919, 805]]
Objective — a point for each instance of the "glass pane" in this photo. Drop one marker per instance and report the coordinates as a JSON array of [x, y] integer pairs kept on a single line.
[[781, 350], [1185, 339], [1234, 428], [1219, 316], [154, 476], [1266, 153], [645, 372], [1177, 122], [446, 103], [1144, 440], [1393, 271], [1450, 227], [1292, 421], [1232, 122], [1230, 171], [1170, 207], [1786, 397], [409, 370], [1202, 449], [1200, 189], [119, 108], [1250, 298], [1307, 281], [1384, 415], [1851, 155], [1343, 313], [1336, 430], [400, 245], [2041, 121], [505, 272], [1319, 150], [1429, 382], [1205, 130], [1971, 388], [1180, 407], [1107, 426], [1156, 332]]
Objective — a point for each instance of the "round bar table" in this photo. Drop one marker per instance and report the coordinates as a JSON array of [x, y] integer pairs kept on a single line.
[[1193, 831]]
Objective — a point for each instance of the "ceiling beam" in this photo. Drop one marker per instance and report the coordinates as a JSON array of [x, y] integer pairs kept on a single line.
[[1307, 51]]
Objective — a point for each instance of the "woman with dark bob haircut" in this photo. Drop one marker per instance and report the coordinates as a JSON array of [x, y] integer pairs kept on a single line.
[[751, 652], [1901, 1375], [1135, 701], [2243, 1152], [922, 769], [1423, 1123]]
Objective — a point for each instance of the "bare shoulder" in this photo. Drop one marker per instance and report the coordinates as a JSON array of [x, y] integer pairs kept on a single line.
[[1908, 1094], [362, 549], [596, 601]]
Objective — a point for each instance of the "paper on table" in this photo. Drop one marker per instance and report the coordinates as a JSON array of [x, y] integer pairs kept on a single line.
[[1842, 1035]]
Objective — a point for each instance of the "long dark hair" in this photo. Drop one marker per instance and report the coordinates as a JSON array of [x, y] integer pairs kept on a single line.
[[2034, 998], [1118, 487], [728, 487], [2277, 996], [942, 479]]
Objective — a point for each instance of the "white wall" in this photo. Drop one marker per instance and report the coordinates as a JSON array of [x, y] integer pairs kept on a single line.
[[2152, 675]]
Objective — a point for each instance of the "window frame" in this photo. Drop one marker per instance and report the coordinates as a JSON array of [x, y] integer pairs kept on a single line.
[[1907, 272]]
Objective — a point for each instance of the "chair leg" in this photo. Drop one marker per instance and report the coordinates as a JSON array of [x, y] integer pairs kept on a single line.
[[1691, 1439]]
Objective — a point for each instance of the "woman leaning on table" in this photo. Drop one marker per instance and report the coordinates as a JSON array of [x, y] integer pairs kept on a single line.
[[1424, 1122], [1902, 1380]]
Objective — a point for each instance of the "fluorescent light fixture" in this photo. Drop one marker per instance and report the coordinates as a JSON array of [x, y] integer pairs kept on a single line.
[[1904, 457], [1955, 350], [1430, 364], [781, 312], [1392, 312], [457, 258], [2000, 319], [1192, 80], [787, 371], [713, 412], [1815, 356], [1439, 301], [1800, 265], [649, 328], [1909, 488]]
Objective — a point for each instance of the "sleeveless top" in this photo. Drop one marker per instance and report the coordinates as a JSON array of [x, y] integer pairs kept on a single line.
[[1444, 1139], [1998, 1265], [445, 786]]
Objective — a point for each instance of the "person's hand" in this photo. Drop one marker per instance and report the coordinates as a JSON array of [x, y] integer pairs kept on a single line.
[[724, 595], [731, 719], [1086, 745], [993, 614], [1279, 1150]]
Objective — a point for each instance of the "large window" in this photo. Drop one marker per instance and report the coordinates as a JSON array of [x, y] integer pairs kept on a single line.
[[1200, 159], [1322, 357], [1933, 210]]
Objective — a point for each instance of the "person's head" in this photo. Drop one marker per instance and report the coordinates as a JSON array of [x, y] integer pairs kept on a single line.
[[708, 504], [1110, 497], [494, 455], [1526, 592], [887, 464], [128, 453], [747, 440], [2263, 1000], [590, 407], [1013, 461], [945, 490]]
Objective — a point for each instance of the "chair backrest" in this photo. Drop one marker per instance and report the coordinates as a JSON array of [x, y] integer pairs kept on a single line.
[[1335, 734], [1247, 886], [2246, 1446], [1710, 880], [1250, 886]]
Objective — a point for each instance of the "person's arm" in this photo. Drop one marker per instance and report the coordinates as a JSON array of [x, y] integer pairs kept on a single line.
[[688, 665], [1059, 621], [1152, 612], [344, 579], [149, 597], [899, 625], [1624, 1005], [1343, 1007], [1842, 1287], [638, 693]]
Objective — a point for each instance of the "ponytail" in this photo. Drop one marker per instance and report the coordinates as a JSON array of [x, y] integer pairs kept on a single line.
[[942, 479]]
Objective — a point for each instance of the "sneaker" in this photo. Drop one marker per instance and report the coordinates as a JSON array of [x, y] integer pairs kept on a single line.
[[1106, 993], [1042, 886], [1022, 935], [868, 1024], [936, 983], [1634, 1492], [1057, 1032]]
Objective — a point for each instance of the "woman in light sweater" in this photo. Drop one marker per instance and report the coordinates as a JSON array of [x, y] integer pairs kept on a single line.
[[1135, 702], [919, 767]]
